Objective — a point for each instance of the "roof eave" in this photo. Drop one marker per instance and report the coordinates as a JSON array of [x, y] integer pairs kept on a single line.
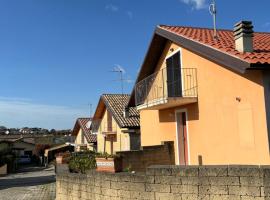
[[207, 52], [156, 39], [131, 127]]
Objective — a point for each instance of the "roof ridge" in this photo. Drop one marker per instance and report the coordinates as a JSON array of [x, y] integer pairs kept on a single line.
[[84, 118], [115, 94], [207, 28]]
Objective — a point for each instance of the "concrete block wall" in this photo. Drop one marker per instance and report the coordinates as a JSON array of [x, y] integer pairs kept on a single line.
[[139, 160], [169, 183]]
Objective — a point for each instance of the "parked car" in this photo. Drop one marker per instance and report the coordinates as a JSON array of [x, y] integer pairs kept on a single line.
[[25, 159]]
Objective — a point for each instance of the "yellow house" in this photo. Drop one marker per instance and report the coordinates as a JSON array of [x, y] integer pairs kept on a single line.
[[116, 131], [208, 94], [84, 138]]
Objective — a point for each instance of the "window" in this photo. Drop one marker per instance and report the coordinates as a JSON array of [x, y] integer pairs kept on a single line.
[[109, 121]]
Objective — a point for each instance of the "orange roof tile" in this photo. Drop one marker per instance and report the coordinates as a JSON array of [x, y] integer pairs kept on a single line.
[[225, 42]]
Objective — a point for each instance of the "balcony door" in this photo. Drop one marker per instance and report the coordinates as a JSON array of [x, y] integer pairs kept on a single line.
[[109, 122], [174, 78], [181, 136]]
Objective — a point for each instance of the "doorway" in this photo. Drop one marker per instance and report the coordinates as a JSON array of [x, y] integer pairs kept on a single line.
[[174, 77], [181, 137]]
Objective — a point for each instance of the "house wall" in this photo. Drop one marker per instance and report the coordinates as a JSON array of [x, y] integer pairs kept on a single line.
[[221, 129], [24, 146], [81, 139], [122, 139], [78, 139], [266, 83]]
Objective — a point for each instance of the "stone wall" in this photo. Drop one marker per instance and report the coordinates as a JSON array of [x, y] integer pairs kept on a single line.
[[139, 160], [169, 182]]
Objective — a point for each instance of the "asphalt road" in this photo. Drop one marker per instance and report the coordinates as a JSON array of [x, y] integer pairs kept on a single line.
[[30, 183]]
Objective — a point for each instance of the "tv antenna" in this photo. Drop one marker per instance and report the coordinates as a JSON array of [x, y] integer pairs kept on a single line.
[[90, 107], [121, 71], [213, 12]]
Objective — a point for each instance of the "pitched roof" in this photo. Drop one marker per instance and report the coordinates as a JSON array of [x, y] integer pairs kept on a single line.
[[201, 42], [115, 104], [21, 139], [84, 124], [225, 42]]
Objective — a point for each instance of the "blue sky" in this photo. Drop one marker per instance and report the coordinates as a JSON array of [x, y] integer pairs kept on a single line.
[[56, 55]]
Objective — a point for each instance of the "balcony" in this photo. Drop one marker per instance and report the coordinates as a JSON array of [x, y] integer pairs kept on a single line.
[[169, 87], [109, 128]]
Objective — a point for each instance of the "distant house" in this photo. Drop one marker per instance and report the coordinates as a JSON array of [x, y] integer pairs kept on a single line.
[[84, 138], [208, 94], [21, 146], [24, 146], [116, 130]]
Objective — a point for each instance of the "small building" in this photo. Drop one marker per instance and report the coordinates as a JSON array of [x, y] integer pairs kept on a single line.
[[208, 94], [84, 138], [116, 131], [24, 146], [21, 146]]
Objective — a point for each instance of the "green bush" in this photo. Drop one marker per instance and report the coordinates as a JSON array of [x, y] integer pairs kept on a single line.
[[81, 162], [106, 155]]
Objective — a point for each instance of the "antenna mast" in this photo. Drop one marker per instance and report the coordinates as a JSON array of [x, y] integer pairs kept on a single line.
[[120, 71], [213, 12], [90, 106]]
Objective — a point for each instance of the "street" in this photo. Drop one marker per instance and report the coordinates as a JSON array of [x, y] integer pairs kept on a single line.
[[29, 183]]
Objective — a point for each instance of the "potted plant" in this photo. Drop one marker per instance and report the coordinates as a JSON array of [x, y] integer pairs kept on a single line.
[[108, 163]]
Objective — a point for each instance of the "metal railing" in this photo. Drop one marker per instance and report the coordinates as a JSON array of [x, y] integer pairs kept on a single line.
[[105, 127], [166, 83], [109, 128]]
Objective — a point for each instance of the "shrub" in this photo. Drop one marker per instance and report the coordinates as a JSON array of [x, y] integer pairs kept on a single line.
[[106, 155], [6, 156], [81, 162]]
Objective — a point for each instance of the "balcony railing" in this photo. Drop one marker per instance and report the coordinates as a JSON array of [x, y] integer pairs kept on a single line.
[[105, 127], [167, 83], [109, 128]]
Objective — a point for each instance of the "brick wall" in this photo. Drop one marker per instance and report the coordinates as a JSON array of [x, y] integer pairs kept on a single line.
[[169, 182], [139, 160]]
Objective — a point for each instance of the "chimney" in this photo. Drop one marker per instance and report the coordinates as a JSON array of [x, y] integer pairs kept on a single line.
[[126, 112], [243, 36]]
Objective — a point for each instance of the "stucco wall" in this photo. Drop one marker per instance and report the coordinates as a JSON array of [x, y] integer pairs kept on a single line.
[[168, 183], [81, 139], [226, 126], [122, 142]]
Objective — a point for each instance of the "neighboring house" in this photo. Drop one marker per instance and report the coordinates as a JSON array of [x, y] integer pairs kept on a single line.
[[21, 146], [116, 130], [24, 146], [84, 138], [210, 95]]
